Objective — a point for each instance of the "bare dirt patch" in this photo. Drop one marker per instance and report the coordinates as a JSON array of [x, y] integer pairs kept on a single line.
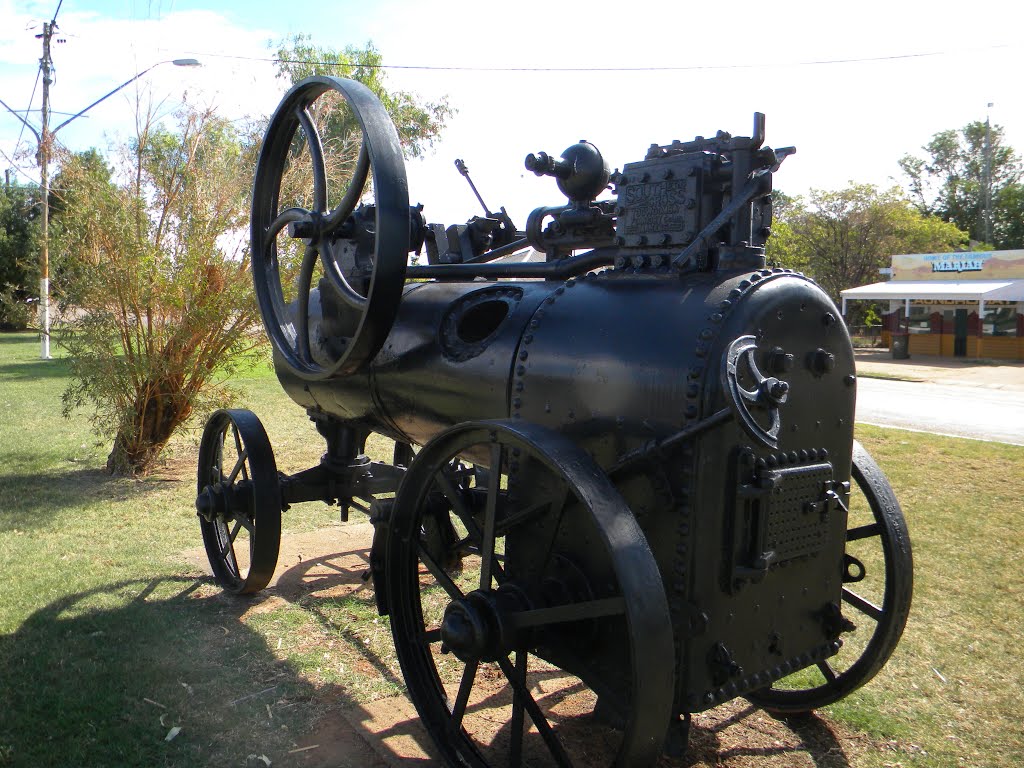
[[388, 731]]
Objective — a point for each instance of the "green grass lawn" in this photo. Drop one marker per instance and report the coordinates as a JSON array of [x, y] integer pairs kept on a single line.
[[108, 640]]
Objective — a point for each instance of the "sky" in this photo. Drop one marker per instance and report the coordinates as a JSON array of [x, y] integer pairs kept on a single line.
[[854, 86]]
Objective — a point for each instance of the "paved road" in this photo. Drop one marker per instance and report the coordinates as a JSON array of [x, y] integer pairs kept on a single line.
[[978, 412]]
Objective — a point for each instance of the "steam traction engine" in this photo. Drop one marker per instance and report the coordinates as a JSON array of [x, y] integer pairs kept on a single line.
[[632, 492]]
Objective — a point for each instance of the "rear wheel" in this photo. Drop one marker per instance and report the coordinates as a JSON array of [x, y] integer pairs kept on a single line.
[[877, 587], [547, 604]]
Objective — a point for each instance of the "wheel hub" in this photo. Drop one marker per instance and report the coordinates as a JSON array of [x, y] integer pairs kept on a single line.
[[223, 501], [479, 626], [210, 503], [464, 630]]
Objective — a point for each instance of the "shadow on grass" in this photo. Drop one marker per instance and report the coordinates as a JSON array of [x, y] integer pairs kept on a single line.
[[57, 368], [729, 735], [33, 498], [17, 337], [106, 677]]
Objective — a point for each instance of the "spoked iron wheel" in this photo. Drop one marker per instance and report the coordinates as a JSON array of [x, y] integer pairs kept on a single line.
[[548, 601], [239, 501], [329, 144], [878, 583]]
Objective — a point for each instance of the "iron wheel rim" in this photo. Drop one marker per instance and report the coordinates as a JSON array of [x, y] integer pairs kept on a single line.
[[645, 610], [382, 148], [252, 475]]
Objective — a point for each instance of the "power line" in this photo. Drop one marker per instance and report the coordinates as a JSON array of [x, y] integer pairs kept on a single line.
[[14, 166], [686, 68], [31, 98]]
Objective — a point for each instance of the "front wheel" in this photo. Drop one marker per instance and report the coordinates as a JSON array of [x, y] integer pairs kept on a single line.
[[239, 501]]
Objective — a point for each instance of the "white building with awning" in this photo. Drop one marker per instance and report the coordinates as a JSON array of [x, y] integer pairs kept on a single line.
[[953, 304]]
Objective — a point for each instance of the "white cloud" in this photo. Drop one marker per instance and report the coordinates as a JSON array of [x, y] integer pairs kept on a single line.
[[847, 120]]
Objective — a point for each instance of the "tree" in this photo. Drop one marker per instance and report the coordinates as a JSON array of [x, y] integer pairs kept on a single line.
[[783, 247], [844, 236], [162, 291], [951, 182], [19, 256], [81, 178], [155, 260], [418, 123]]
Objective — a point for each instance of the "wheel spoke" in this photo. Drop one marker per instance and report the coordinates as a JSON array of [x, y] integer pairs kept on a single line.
[[862, 605], [523, 516], [438, 572], [282, 220], [316, 156], [228, 545], [243, 455], [516, 734], [430, 636], [543, 726], [753, 395], [458, 504], [230, 561], [593, 609], [826, 669], [227, 551], [558, 512], [344, 209], [305, 285], [462, 699], [234, 531], [239, 465], [864, 532], [490, 517], [346, 292]]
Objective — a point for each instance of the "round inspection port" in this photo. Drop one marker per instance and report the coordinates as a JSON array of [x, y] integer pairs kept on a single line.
[[475, 320], [481, 320]]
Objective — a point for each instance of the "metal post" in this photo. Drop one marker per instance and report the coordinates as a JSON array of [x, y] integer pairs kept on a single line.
[[981, 328], [44, 176], [44, 137]]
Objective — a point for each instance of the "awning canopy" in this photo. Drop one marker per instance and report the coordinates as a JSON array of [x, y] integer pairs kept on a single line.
[[939, 290]]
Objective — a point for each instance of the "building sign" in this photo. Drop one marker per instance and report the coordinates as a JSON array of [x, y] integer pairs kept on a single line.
[[970, 265], [958, 265]]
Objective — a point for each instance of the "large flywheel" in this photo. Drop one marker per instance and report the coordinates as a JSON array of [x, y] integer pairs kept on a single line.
[[330, 201], [544, 603]]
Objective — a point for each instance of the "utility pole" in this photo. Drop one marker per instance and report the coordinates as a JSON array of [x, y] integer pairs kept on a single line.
[[44, 137], [46, 65]]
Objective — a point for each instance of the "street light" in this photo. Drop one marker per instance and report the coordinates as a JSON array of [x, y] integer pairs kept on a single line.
[[44, 137]]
